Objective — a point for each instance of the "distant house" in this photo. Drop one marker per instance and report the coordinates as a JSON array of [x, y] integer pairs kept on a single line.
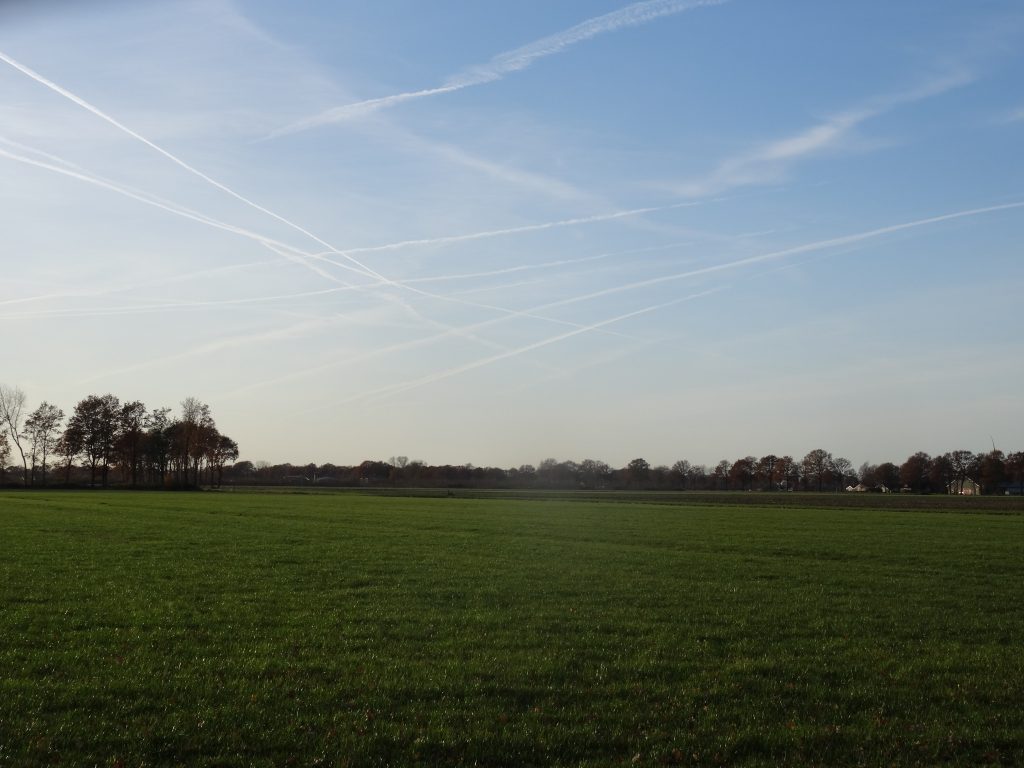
[[964, 488], [858, 488], [1011, 489]]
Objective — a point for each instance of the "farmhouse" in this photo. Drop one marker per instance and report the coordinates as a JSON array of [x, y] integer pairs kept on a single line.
[[966, 487]]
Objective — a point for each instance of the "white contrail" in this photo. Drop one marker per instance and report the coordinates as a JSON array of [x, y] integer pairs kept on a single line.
[[395, 389], [282, 249], [444, 239], [640, 11], [498, 287], [265, 241], [287, 332], [32, 150], [510, 61], [548, 264], [287, 251], [507, 270], [288, 296], [173, 158], [765, 162], [805, 248], [148, 308], [160, 307], [819, 245]]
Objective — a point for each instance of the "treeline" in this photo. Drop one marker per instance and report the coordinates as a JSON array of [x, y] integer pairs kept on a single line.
[[104, 439], [959, 472]]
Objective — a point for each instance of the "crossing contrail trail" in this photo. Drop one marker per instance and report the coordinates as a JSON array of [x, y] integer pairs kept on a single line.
[[445, 239], [510, 61], [219, 345], [176, 160], [508, 270], [287, 296], [395, 389], [805, 248], [290, 252], [267, 242], [32, 150], [283, 249], [158, 307]]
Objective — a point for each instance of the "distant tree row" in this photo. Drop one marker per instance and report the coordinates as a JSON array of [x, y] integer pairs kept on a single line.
[[954, 472], [144, 448], [153, 448]]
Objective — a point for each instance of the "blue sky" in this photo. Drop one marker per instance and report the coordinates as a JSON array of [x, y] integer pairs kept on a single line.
[[496, 232]]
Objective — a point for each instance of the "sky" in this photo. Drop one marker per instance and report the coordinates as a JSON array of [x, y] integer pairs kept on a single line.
[[491, 233]]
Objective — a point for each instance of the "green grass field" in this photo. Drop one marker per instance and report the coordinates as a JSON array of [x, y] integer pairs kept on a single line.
[[345, 629]]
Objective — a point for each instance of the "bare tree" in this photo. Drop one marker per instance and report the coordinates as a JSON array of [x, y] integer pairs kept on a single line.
[[816, 465], [842, 471], [5, 456], [223, 450], [940, 474], [963, 463], [887, 475], [991, 470], [95, 420], [12, 414], [720, 474], [787, 473], [697, 475], [765, 470], [914, 471], [191, 434], [741, 473], [638, 471], [69, 446], [42, 429], [398, 465], [156, 447], [1014, 469], [681, 472], [130, 434]]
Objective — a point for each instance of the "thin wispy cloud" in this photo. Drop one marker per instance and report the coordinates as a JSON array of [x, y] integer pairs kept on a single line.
[[395, 389], [573, 222], [141, 286], [769, 162], [509, 61], [392, 390], [499, 229], [287, 252], [37, 152], [173, 158], [283, 249], [1014, 116], [818, 245], [293, 331]]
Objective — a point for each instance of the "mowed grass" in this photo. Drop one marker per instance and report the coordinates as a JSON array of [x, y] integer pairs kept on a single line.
[[339, 629]]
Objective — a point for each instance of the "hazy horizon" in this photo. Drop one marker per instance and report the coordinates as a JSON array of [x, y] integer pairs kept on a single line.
[[493, 234]]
